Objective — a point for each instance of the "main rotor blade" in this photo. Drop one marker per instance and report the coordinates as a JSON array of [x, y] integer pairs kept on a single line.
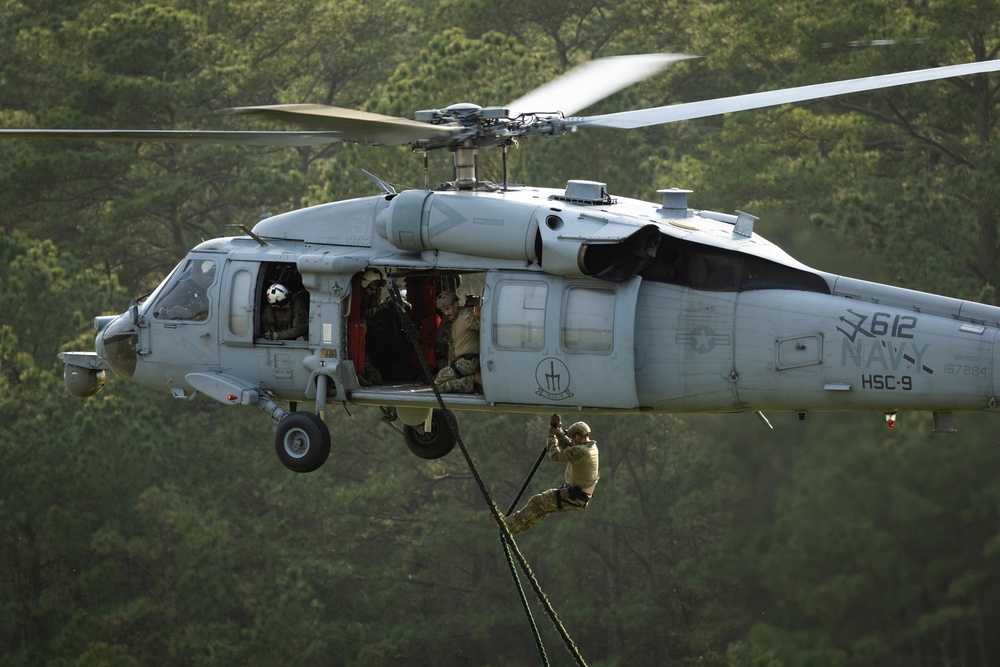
[[350, 125], [182, 136], [591, 82], [627, 120]]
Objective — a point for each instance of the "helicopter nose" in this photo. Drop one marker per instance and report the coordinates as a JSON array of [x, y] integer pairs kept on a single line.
[[116, 344], [99, 345], [100, 324]]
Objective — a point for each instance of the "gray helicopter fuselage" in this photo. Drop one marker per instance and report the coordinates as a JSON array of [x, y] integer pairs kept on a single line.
[[589, 303]]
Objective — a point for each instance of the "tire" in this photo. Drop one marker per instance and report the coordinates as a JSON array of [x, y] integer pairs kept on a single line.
[[438, 442], [302, 441]]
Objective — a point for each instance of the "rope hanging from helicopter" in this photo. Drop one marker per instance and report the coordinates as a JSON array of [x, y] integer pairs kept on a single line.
[[511, 549]]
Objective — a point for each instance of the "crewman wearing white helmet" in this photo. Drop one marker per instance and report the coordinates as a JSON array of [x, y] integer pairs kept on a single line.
[[574, 448], [286, 314], [371, 278]]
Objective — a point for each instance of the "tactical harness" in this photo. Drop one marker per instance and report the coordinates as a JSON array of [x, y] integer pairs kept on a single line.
[[574, 493]]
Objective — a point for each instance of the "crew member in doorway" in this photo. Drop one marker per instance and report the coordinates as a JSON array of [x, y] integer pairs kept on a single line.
[[371, 284], [574, 448], [461, 375], [286, 314]]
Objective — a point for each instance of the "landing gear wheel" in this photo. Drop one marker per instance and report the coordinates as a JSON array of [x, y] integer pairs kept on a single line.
[[431, 444], [302, 441]]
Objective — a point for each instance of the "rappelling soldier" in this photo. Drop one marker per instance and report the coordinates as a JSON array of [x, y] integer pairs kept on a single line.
[[574, 448]]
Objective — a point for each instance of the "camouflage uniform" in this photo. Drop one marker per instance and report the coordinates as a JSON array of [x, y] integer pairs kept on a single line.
[[463, 355], [582, 465]]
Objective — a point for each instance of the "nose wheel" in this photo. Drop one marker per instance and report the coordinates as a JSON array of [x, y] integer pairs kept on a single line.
[[302, 441]]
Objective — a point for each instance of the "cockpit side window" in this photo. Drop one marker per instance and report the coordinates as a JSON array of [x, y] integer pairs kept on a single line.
[[186, 298]]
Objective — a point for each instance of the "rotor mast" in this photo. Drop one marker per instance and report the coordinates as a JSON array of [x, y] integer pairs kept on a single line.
[[473, 126], [466, 161]]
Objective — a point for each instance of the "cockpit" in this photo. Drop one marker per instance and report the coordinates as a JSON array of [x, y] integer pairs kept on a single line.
[[185, 296]]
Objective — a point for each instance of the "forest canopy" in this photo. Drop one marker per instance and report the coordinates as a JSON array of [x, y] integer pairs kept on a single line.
[[142, 530]]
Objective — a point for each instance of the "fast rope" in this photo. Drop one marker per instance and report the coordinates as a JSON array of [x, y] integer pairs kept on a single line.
[[513, 569], [507, 539]]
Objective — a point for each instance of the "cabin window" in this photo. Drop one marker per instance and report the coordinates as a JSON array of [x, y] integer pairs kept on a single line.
[[240, 305], [520, 316], [588, 320]]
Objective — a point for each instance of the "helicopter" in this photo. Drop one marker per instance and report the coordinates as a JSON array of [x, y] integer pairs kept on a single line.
[[589, 302]]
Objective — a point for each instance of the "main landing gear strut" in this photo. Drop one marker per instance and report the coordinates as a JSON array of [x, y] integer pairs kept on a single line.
[[301, 439]]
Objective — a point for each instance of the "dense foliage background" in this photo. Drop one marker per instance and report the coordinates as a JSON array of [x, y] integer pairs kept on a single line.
[[138, 530]]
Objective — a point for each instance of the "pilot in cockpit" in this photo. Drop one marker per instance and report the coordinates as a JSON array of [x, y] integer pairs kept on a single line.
[[187, 299]]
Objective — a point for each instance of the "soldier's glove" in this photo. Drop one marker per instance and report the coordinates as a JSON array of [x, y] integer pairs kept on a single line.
[[555, 425]]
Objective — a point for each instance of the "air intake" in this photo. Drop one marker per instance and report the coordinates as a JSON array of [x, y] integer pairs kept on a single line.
[[587, 193], [674, 203]]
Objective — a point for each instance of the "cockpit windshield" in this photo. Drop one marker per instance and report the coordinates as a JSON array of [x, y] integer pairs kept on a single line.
[[186, 295]]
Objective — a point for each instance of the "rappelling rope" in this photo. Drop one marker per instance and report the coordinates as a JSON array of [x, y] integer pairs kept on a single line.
[[527, 480], [513, 568], [506, 537]]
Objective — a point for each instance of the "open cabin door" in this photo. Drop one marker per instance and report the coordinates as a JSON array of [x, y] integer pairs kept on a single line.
[[559, 341]]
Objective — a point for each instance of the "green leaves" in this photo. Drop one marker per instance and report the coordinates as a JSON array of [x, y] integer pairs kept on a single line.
[[142, 530]]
